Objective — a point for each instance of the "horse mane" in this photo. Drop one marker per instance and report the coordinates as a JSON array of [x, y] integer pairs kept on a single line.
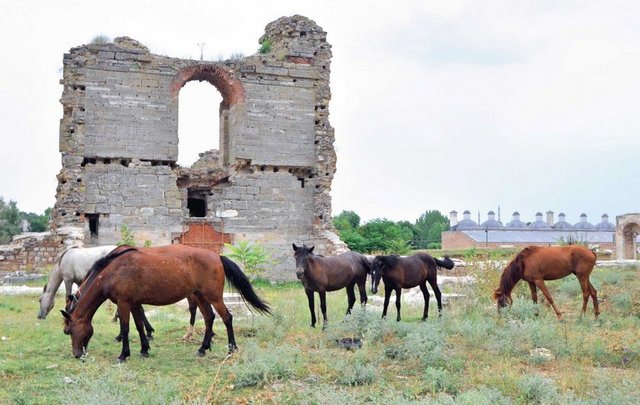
[[387, 262], [513, 272], [101, 263]]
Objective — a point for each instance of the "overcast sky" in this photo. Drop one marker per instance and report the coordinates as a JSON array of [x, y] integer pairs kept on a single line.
[[530, 106]]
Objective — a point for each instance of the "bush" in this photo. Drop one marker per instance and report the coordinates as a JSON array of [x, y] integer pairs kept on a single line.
[[356, 372], [439, 380], [259, 366], [537, 390], [253, 257], [265, 46]]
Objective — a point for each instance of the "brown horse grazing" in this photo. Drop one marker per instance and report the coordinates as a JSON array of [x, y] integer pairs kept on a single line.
[[536, 264], [407, 272], [131, 277], [322, 274]]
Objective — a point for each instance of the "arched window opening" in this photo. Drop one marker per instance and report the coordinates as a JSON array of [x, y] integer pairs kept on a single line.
[[198, 121]]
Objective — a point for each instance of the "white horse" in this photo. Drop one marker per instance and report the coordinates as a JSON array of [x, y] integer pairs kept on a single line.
[[72, 264]]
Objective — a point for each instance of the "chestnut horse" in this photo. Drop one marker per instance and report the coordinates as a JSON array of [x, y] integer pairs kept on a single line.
[[408, 272], [131, 277], [534, 264], [322, 274]]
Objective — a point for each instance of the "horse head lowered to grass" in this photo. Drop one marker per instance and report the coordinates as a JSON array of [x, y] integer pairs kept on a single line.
[[534, 264], [131, 277]]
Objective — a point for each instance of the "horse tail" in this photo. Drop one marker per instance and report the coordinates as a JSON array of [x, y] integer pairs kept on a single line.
[[241, 283], [365, 263], [447, 263]]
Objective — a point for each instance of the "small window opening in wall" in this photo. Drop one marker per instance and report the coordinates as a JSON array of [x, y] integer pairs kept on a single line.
[[124, 162], [107, 161], [320, 216], [262, 168], [301, 182], [197, 203], [303, 33], [93, 224], [276, 169]]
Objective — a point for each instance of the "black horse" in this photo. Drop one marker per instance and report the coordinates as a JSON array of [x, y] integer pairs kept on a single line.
[[322, 274], [407, 272]]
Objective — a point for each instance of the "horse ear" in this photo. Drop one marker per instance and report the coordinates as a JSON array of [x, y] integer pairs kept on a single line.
[[295, 248], [70, 297], [311, 250], [65, 314]]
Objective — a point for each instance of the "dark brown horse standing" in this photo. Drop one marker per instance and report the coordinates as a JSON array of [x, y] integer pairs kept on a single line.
[[131, 277], [407, 272], [322, 274], [534, 264]]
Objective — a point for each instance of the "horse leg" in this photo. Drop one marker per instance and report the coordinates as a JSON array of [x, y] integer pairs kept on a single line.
[[438, 294], [534, 295], [425, 294], [192, 317], [227, 319], [323, 308], [398, 292], [362, 288], [311, 307], [68, 287], [207, 314], [387, 296], [541, 285], [141, 321], [115, 318], [124, 310], [594, 295], [147, 325], [351, 296]]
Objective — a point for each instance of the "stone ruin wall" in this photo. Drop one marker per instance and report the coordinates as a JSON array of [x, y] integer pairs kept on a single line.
[[271, 180]]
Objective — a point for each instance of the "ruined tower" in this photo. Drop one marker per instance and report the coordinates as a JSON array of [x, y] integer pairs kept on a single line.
[[268, 182]]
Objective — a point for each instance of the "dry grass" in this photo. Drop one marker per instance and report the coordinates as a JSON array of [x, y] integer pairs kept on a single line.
[[470, 355]]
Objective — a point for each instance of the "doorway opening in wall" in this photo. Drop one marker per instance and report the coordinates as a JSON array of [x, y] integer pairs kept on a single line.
[[93, 220], [199, 110], [197, 203]]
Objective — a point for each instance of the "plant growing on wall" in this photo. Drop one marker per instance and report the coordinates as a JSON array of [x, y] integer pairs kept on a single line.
[[253, 257], [265, 46], [126, 236]]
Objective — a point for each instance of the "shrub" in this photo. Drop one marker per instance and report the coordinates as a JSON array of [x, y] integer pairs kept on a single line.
[[537, 390], [438, 380], [126, 236], [253, 257], [100, 39], [259, 366], [265, 46], [354, 373]]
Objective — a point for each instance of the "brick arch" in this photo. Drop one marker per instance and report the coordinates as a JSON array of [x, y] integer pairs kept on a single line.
[[221, 78]]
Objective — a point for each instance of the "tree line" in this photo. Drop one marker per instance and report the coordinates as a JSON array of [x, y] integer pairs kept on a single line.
[[386, 236], [11, 220]]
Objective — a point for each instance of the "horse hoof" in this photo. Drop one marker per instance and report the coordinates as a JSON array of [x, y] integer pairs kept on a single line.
[[149, 337], [144, 354], [200, 353], [118, 339], [121, 360], [233, 348]]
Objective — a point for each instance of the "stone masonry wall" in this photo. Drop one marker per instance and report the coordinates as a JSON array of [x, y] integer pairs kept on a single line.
[[29, 252], [119, 143]]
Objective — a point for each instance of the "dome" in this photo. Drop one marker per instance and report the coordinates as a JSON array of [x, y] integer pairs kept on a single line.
[[583, 224], [562, 225], [492, 223], [467, 223], [539, 225], [515, 223], [605, 226]]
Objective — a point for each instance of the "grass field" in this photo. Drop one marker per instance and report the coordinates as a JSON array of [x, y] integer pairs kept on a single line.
[[470, 355]]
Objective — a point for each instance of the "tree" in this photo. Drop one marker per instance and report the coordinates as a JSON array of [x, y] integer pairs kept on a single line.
[[346, 220], [252, 256], [9, 220], [428, 228], [38, 223], [383, 235]]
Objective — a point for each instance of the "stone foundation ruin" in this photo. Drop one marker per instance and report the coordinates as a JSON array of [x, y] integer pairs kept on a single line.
[[268, 182]]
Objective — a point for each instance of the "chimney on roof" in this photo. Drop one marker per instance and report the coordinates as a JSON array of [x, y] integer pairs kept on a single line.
[[561, 217], [550, 221], [605, 218], [491, 216], [583, 217], [516, 216], [538, 216], [453, 218]]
